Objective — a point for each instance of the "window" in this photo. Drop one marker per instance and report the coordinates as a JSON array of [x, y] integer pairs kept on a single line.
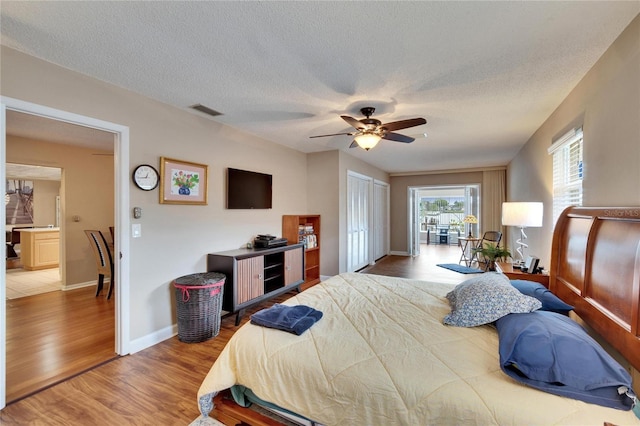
[[567, 171]]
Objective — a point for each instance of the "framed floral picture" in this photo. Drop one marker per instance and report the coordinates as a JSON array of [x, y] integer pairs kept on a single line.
[[182, 182]]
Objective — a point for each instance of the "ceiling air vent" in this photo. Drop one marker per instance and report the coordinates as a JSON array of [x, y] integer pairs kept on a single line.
[[205, 110]]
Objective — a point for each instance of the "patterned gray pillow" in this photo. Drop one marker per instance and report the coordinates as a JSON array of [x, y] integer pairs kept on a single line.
[[486, 298]]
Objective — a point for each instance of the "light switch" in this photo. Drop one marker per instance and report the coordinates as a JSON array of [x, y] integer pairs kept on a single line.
[[136, 230]]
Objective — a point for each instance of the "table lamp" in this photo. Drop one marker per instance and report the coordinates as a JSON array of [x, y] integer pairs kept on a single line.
[[522, 214], [470, 219]]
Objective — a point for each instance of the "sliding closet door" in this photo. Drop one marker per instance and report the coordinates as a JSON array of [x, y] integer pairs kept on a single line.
[[359, 188], [380, 219]]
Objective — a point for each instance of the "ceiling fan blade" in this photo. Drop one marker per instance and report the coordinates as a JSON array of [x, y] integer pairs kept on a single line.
[[354, 144], [353, 122], [332, 134], [397, 137], [403, 124]]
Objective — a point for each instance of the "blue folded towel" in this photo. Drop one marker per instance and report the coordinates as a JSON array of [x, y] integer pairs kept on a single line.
[[293, 319]]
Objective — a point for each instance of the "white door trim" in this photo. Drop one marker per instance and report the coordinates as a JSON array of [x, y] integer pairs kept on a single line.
[[122, 221], [381, 222]]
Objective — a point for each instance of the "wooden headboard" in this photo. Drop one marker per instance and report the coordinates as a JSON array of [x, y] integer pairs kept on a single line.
[[595, 266]]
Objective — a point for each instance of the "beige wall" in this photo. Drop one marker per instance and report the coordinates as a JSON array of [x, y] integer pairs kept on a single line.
[[327, 184], [44, 201], [86, 191], [323, 192], [175, 238], [606, 103], [399, 191]]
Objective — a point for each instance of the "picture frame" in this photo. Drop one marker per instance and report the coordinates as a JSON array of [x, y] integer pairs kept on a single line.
[[183, 182]]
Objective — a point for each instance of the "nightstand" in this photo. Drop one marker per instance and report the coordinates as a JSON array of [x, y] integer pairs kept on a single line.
[[517, 274]]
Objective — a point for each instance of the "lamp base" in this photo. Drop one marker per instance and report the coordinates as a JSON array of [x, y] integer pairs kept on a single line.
[[469, 236]]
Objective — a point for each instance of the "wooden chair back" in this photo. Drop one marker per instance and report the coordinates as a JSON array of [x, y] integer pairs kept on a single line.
[[103, 258], [492, 237]]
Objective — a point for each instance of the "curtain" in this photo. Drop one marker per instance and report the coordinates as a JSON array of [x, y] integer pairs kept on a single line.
[[494, 191]]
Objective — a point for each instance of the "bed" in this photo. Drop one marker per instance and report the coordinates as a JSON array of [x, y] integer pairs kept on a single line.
[[381, 353]]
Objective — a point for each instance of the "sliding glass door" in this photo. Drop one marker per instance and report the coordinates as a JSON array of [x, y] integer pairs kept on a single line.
[[436, 214]]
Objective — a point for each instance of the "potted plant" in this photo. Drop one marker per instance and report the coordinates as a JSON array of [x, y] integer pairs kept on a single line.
[[491, 253]]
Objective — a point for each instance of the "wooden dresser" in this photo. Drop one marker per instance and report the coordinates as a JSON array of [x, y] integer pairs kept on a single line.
[[255, 275]]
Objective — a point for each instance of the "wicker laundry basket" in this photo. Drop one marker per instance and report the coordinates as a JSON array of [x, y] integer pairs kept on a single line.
[[199, 305]]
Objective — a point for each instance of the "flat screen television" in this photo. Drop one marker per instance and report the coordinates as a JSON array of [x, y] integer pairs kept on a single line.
[[248, 190]]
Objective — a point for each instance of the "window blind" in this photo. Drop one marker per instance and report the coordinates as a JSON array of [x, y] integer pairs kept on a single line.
[[568, 170]]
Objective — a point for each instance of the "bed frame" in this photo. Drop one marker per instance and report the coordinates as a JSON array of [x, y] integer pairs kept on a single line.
[[595, 266]]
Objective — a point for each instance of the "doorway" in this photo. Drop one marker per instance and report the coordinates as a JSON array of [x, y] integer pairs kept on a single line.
[[120, 138], [32, 201], [437, 214]]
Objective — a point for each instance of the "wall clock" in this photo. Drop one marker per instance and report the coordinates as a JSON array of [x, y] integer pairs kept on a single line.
[[146, 177]]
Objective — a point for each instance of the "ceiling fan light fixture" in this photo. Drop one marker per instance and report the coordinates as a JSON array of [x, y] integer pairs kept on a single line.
[[367, 141]]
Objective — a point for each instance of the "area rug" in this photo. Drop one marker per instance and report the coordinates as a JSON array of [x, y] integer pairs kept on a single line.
[[460, 268]]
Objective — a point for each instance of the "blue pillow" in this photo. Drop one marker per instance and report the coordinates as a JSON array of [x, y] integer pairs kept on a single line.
[[550, 302], [553, 353]]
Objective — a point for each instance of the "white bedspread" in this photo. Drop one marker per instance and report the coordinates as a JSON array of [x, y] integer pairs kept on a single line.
[[382, 356]]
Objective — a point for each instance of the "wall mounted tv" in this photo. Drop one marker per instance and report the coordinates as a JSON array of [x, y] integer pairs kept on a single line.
[[248, 190]]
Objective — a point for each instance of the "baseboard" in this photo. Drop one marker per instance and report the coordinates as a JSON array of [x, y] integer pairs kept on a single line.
[[143, 342], [152, 339], [82, 285], [399, 253]]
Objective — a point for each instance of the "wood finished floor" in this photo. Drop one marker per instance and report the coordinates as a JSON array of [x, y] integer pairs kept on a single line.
[[158, 386], [53, 336]]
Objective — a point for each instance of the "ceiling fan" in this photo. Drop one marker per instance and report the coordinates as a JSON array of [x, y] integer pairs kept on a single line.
[[369, 131]]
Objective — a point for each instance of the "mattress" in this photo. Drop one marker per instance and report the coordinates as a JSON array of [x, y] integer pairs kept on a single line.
[[382, 355]]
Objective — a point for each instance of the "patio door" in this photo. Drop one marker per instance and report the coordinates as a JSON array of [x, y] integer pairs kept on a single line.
[[436, 214]]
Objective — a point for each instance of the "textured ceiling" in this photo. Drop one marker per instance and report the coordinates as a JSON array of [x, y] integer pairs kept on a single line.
[[485, 75]]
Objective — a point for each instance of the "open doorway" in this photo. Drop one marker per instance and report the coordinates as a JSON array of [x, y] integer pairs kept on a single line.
[[438, 214], [32, 206], [119, 137]]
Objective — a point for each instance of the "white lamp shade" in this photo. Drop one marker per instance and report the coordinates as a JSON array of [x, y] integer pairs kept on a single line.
[[522, 214], [367, 140]]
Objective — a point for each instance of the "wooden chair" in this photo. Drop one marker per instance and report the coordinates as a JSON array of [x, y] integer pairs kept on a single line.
[[491, 237], [104, 259]]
